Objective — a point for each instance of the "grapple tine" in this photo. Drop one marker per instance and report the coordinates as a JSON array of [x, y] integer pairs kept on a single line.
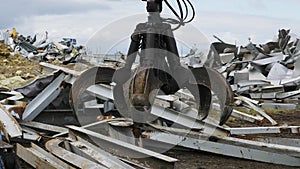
[[224, 93], [207, 80], [205, 100], [199, 86]]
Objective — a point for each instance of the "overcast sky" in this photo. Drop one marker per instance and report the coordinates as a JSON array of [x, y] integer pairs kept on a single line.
[[234, 21]]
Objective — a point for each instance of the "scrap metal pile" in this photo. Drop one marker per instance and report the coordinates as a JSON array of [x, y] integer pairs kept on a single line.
[[20, 56], [268, 73], [37, 117]]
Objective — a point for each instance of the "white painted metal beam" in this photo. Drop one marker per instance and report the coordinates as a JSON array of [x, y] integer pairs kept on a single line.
[[279, 140], [264, 130], [252, 150], [101, 91], [41, 101], [188, 121]]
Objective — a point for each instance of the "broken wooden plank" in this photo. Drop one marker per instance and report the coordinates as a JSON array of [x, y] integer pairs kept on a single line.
[[78, 161], [247, 117], [132, 163], [4, 145], [243, 116], [31, 137], [257, 109], [155, 160], [29, 134], [9, 125], [39, 158], [92, 152]]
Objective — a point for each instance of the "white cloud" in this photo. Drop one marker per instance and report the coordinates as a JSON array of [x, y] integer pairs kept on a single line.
[[238, 28], [79, 25], [255, 4]]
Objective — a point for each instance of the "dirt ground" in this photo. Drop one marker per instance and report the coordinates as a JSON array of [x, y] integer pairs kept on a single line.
[[203, 160], [15, 70], [16, 65]]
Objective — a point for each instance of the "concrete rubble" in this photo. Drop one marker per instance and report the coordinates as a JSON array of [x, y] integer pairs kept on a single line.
[[38, 119]]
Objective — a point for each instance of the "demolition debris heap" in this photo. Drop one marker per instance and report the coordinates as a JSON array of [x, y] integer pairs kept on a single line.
[[37, 76]]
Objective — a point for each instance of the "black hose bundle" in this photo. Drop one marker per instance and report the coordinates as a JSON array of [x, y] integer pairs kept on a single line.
[[182, 16]]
